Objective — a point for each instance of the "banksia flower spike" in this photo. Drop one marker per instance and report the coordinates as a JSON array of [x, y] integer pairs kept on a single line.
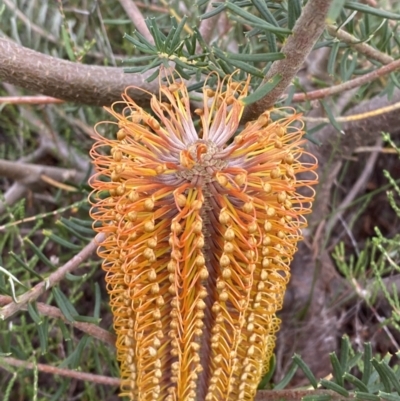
[[201, 222]]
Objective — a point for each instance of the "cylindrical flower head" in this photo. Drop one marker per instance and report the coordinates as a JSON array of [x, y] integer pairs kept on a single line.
[[201, 221]]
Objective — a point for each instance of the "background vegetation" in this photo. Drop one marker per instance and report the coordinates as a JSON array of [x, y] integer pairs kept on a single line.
[[56, 342]]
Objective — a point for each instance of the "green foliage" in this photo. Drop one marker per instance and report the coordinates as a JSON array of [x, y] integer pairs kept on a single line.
[[378, 261], [48, 228]]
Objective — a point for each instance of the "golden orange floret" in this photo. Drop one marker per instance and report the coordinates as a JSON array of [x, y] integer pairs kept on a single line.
[[202, 219]]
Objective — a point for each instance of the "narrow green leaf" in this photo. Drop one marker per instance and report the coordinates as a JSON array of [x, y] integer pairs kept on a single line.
[[43, 332], [145, 48], [73, 277], [121, 21], [263, 90], [33, 312], [306, 370], [262, 8], [213, 12], [11, 276], [140, 59], [367, 363], [366, 396], [182, 68], [65, 306], [291, 90], [337, 369], [267, 377], [271, 41], [393, 77], [73, 360], [334, 10], [289, 375], [158, 36], [332, 57], [262, 57], [25, 266], [382, 374], [62, 389], [352, 5], [76, 230], [61, 241], [155, 63], [87, 319], [171, 33], [348, 64], [67, 43], [356, 382], [389, 373], [196, 86], [239, 64], [334, 387], [10, 385], [388, 396], [153, 76], [344, 343], [13, 294], [177, 35], [64, 330], [294, 11], [252, 19], [40, 254], [333, 121], [353, 361]]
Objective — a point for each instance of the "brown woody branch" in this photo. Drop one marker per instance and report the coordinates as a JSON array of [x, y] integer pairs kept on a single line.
[[73, 374], [297, 47], [345, 86], [29, 174], [34, 293], [74, 82], [134, 14], [30, 100], [361, 47], [51, 311]]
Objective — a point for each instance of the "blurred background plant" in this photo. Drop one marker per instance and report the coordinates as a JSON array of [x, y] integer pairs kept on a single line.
[[56, 342]]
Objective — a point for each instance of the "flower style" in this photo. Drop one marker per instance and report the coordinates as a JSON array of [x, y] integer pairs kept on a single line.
[[201, 222]]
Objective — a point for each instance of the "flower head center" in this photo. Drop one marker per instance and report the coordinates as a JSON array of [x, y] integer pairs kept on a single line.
[[200, 161]]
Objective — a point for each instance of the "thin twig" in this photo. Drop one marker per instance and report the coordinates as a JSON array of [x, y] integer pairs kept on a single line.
[[51, 141], [208, 25], [361, 47], [29, 100], [296, 395], [27, 173], [135, 15], [356, 117], [356, 188], [73, 374], [306, 32], [17, 190], [54, 278], [354, 83], [51, 311]]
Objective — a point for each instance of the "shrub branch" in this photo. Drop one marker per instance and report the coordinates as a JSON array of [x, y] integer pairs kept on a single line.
[[297, 47], [53, 312], [54, 278], [89, 377], [74, 82]]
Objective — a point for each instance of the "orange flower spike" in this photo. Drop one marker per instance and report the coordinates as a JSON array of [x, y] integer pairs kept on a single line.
[[200, 231]]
